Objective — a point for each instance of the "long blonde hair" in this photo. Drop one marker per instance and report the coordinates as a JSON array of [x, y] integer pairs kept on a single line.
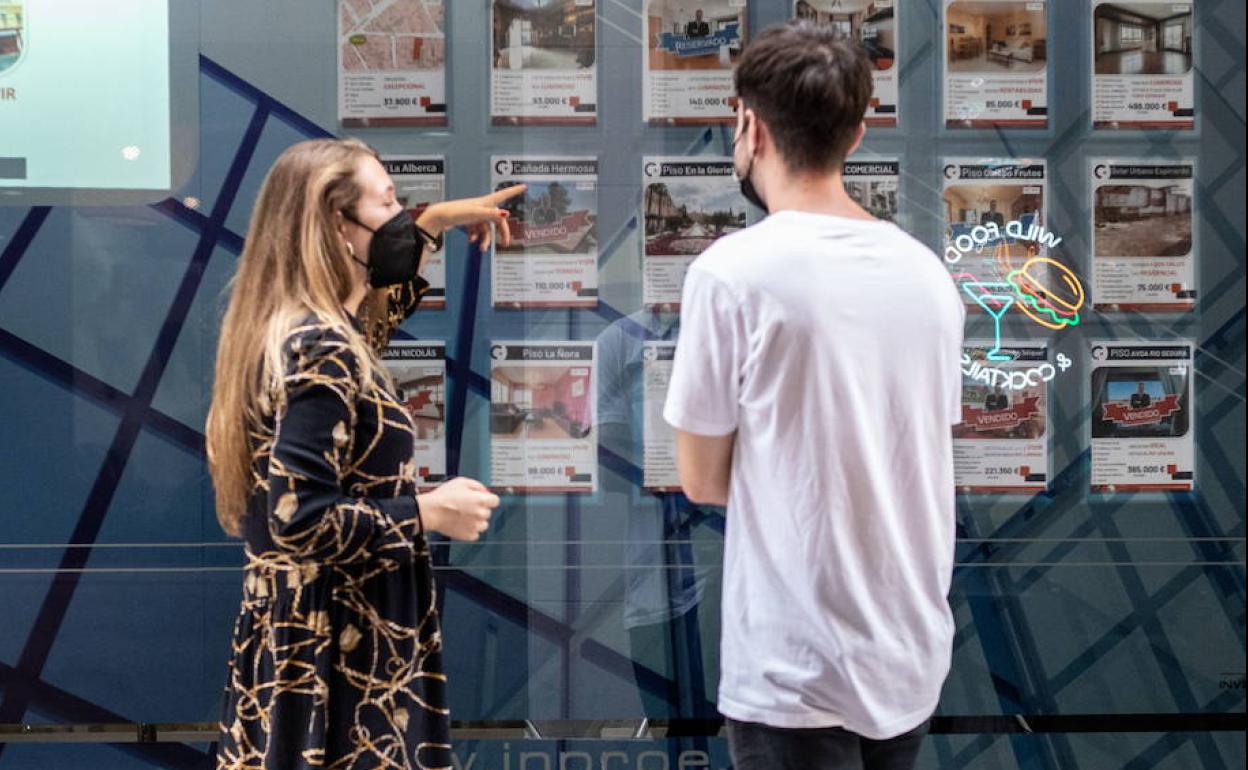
[[293, 264]]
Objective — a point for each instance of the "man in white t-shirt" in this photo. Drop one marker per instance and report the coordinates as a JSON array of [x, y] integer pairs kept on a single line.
[[816, 381]]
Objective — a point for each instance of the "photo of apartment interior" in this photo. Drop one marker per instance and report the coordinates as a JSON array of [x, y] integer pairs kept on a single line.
[[543, 35], [1136, 220], [857, 19], [1142, 39], [425, 400], [995, 37], [539, 402], [689, 19], [10, 34]]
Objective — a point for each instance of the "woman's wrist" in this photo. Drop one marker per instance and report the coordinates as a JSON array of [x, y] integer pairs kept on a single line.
[[430, 512], [431, 220]]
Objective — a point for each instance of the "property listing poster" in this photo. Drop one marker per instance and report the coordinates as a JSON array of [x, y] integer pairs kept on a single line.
[[874, 24], [874, 185], [994, 212], [552, 261], [1142, 421], [1142, 65], [1002, 443], [418, 182], [543, 417], [391, 63], [418, 369], [1142, 235], [658, 471], [996, 64], [691, 49], [544, 56], [687, 204]]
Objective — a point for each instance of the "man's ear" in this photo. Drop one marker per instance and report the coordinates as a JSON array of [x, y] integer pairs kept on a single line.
[[760, 137], [858, 134]]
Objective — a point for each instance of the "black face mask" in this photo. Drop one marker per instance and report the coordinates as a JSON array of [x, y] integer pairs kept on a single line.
[[393, 253], [748, 191]]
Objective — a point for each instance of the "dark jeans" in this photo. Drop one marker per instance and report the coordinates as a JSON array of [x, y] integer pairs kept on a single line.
[[759, 747]]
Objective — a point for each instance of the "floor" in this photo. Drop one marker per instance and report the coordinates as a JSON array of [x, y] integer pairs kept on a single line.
[[541, 58], [547, 428], [1143, 63], [995, 66]]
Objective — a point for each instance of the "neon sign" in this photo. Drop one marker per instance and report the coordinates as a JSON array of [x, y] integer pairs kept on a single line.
[[1044, 290], [1055, 307]]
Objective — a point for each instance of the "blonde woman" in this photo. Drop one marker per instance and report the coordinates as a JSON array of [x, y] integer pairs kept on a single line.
[[336, 657]]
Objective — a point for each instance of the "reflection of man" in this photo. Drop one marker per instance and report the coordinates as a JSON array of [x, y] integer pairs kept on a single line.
[[665, 585], [992, 216], [697, 27], [835, 463], [1140, 399]]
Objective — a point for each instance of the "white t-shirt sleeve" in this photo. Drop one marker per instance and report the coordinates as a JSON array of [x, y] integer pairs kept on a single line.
[[955, 416], [706, 375]]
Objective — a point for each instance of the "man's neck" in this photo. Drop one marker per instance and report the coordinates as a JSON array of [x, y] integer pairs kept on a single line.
[[815, 194]]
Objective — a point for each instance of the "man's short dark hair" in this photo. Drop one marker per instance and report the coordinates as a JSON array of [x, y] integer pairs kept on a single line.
[[811, 87]]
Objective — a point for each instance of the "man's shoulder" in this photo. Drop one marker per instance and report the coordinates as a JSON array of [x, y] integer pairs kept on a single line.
[[732, 258]]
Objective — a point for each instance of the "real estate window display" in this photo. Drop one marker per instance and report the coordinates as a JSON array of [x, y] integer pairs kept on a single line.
[[661, 529]]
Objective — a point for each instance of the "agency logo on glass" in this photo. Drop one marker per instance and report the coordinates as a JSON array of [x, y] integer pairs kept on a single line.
[[13, 34]]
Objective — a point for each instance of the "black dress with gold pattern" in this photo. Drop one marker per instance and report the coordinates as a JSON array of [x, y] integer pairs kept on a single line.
[[337, 649]]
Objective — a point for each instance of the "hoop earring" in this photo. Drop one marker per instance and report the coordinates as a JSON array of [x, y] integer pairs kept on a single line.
[[350, 250]]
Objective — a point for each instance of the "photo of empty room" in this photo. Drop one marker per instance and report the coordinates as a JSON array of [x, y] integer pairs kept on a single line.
[[861, 20], [1143, 220], [424, 397], [11, 27], [1142, 39], [543, 35], [691, 35], [971, 205], [540, 402], [995, 37]]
